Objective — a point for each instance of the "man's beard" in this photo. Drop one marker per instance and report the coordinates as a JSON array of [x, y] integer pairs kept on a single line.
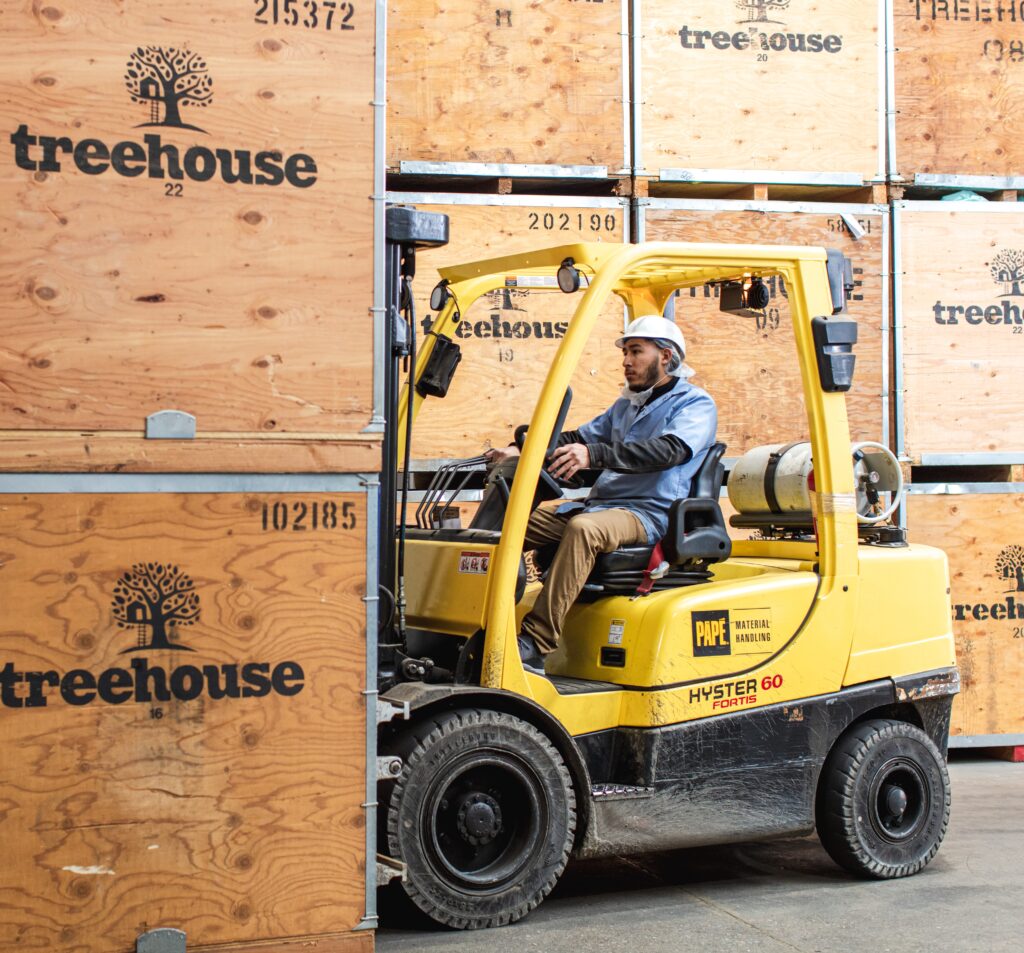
[[650, 379]]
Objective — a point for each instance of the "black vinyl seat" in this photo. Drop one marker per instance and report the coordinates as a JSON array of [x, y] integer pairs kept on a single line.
[[696, 538]]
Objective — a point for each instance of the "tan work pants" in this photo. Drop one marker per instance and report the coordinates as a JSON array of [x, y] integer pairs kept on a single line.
[[581, 536]]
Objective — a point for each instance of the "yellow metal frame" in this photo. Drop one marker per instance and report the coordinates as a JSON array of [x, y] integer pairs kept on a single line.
[[645, 277]]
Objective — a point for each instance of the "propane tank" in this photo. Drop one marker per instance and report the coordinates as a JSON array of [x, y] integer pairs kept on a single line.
[[774, 479]]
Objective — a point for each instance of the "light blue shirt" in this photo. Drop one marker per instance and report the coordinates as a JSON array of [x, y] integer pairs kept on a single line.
[[686, 412]]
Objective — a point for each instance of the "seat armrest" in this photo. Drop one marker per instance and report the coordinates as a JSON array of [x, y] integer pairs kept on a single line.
[[696, 531]]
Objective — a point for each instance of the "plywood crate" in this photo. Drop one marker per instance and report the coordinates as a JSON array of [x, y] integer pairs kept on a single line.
[[188, 746], [764, 91], [959, 310], [958, 92], [750, 366], [509, 338], [981, 528], [198, 242], [514, 83]]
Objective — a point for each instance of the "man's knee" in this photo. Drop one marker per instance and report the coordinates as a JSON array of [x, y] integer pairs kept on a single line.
[[587, 530]]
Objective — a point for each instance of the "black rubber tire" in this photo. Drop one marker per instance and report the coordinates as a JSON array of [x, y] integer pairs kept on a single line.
[[875, 769], [483, 814]]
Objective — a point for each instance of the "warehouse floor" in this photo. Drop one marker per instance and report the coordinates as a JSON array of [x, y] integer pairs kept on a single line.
[[783, 896]]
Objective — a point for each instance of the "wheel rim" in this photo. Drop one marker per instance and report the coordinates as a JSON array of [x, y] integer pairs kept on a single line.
[[483, 820], [899, 800]]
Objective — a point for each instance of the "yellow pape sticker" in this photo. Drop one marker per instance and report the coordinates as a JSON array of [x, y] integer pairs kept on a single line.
[[616, 630], [751, 631]]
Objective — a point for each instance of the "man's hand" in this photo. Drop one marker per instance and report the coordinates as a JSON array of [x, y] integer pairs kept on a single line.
[[567, 461], [498, 455]]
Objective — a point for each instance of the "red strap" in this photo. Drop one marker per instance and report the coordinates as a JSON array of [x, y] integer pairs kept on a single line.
[[657, 558]]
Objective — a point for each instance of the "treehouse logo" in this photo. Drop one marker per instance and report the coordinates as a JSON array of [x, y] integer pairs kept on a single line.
[[154, 599], [1009, 570], [165, 81], [759, 18], [168, 78], [1007, 271]]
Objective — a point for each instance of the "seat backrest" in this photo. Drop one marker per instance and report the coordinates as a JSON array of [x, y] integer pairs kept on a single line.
[[707, 481]]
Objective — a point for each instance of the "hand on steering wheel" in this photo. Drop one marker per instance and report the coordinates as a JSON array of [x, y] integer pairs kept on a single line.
[[568, 461]]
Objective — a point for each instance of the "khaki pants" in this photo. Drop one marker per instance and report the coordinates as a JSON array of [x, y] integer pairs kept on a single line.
[[581, 536]]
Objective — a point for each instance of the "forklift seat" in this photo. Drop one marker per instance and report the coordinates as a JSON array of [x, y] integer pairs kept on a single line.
[[696, 538]]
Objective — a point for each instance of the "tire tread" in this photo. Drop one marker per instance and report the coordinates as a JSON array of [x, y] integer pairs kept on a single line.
[[435, 730]]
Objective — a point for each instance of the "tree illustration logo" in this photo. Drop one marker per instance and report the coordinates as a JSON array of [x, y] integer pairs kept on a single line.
[[757, 11], [1010, 566], [170, 78], [1008, 270], [155, 599]]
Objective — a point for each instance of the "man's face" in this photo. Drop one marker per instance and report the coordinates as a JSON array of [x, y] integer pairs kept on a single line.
[[644, 364]]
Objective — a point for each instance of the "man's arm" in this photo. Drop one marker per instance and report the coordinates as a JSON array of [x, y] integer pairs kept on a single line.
[[639, 456]]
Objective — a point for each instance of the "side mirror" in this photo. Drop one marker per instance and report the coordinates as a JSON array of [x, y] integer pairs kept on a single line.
[[840, 278]]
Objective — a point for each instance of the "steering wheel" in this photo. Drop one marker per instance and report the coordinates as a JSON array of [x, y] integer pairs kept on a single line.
[[519, 437]]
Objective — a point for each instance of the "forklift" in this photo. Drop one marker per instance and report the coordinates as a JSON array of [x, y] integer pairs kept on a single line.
[[798, 680]]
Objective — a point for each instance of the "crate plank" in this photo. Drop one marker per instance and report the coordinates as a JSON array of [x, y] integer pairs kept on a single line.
[[981, 533], [41, 451], [509, 338], [520, 81], [118, 295], [236, 819], [750, 366], [959, 89], [718, 92], [958, 378]]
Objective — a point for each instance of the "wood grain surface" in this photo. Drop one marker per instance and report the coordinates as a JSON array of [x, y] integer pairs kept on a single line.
[[959, 87], [497, 384], [752, 371], [975, 530], [236, 819], [961, 380], [246, 305], [41, 451], [520, 81], [755, 108]]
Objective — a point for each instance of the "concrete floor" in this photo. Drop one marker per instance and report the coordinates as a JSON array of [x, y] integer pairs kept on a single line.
[[778, 897]]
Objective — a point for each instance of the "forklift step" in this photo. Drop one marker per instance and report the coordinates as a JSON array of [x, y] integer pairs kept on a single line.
[[580, 686]]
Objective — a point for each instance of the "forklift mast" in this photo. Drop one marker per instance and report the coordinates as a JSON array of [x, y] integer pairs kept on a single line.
[[406, 231]]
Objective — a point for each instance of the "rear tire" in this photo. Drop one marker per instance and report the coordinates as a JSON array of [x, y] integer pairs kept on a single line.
[[483, 815], [883, 800]]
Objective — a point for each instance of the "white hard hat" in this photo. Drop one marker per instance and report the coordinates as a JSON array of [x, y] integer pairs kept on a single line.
[[653, 327]]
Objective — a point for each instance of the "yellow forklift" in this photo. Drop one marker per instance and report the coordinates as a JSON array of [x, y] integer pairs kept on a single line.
[[801, 679]]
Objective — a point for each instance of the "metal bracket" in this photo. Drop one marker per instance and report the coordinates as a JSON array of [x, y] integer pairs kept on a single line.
[[389, 869], [388, 711], [170, 425], [856, 230], [389, 767], [161, 940]]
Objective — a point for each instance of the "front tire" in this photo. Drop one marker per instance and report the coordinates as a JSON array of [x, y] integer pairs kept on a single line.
[[483, 815], [883, 800]]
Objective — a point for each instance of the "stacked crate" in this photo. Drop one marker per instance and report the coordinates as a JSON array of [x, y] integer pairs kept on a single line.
[[787, 95], [186, 283], [959, 305], [955, 84]]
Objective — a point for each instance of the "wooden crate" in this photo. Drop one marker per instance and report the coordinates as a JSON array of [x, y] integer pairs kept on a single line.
[[982, 532], [518, 82], [133, 801], [509, 338], [722, 96], [958, 379], [749, 366], [958, 90], [141, 276]]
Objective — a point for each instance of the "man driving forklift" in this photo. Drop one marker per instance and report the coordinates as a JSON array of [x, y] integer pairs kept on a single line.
[[649, 444]]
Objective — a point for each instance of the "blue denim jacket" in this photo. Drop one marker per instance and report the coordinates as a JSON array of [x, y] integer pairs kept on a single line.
[[687, 412]]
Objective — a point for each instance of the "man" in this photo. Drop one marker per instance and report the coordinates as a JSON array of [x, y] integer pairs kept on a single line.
[[649, 444]]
